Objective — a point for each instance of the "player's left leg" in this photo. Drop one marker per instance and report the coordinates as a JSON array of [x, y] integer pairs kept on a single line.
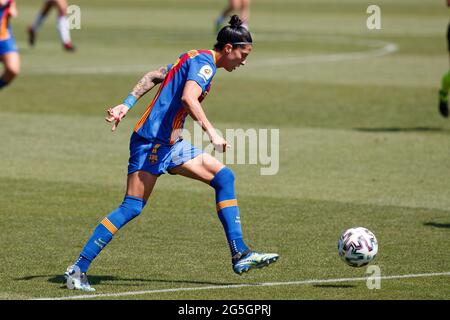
[[209, 170], [11, 61]]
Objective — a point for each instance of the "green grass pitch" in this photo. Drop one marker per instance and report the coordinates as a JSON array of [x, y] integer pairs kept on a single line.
[[361, 144]]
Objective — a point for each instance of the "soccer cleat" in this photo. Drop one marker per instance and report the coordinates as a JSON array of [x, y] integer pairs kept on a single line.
[[443, 103], [31, 36], [76, 280], [69, 47], [254, 260]]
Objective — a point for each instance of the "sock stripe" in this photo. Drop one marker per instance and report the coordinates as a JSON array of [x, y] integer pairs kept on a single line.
[[226, 203], [108, 225]]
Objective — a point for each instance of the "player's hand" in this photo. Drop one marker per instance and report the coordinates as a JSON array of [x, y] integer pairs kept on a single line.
[[116, 115], [220, 144]]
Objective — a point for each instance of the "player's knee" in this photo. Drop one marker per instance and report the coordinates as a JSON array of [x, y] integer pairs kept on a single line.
[[62, 12], [11, 72], [223, 178], [62, 7], [132, 207]]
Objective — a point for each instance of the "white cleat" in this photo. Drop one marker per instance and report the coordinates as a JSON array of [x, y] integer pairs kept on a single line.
[[77, 280]]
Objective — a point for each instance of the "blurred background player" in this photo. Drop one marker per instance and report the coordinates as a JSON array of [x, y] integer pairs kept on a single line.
[[62, 24], [445, 84], [9, 55], [156, 147], [241, 7]]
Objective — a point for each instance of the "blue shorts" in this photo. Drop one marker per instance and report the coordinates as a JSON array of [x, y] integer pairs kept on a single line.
[[158, 158], [8, 46]]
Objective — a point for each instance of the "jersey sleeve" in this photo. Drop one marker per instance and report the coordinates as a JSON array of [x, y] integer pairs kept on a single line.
[[201, 71]]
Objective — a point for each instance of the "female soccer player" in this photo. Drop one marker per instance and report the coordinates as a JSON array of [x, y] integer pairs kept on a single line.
[[445, 86], [241, 6], [62, 24], [9, 55], [156, 148]]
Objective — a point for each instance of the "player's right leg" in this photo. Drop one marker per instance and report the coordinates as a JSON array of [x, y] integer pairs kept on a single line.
[[139, 187], [11, 61], [140, 183]]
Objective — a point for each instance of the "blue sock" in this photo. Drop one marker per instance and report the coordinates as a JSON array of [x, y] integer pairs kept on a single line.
[[3, 83], [130, 208], [228, 211]]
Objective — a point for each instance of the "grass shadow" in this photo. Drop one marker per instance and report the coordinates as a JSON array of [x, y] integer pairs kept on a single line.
[[437, 225], [94, 280], [397, 129]]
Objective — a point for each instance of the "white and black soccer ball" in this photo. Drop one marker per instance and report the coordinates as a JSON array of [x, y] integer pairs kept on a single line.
[[357, 246]]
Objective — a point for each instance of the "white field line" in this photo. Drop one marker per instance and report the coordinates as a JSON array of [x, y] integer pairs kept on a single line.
[[388, 48], [378, 49], [264, 284]]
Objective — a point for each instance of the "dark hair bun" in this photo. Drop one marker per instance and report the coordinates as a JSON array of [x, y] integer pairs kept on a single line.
[[235, 22], [235, 33]]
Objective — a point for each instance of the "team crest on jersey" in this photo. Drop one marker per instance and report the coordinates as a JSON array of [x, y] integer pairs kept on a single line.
[[205, 72], [153, 158]]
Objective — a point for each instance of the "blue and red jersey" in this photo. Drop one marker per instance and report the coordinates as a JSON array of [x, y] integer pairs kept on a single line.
[[164, 118], [5, 29]]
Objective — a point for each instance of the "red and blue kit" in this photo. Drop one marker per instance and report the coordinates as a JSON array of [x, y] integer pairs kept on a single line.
[[7, 41], [156, 145]]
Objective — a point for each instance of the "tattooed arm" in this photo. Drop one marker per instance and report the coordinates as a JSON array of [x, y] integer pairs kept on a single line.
[[150, 80], [144, 85]]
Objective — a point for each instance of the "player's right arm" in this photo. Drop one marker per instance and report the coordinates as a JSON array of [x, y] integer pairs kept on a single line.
[[148, 81]]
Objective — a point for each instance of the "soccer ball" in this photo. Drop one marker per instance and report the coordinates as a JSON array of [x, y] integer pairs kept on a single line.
[[357, 246]]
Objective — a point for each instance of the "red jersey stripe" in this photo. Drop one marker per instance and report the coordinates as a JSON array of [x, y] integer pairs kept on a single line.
[[175, 68]]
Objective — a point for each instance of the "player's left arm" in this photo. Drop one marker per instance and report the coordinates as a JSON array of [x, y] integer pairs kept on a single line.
[[148, 81]]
